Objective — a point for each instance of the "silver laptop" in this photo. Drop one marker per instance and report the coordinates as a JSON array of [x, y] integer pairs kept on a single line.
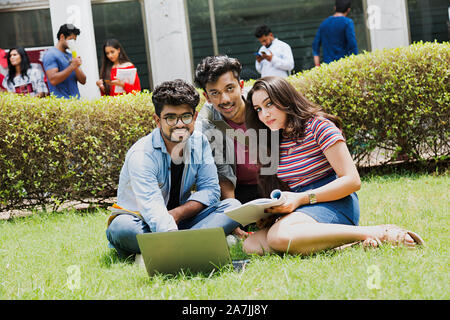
[[198, 250]]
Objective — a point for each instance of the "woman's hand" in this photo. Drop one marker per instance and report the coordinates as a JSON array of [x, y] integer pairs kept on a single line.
[[118, 82], [293, 201], [101, 85]]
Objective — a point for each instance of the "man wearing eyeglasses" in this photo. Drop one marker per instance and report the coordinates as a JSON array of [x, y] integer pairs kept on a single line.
[[63, 68], [169, 180]]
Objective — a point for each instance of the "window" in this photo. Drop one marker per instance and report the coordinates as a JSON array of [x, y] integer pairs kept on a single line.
[[292, 21], [428, 20], [122, 21], [30, 28]]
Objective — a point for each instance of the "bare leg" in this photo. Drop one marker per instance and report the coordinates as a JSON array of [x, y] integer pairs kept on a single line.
[[256, 243], [298, 233]]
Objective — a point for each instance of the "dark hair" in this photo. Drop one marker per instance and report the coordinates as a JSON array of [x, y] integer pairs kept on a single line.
[[342, 5], [105, 70], [67, 29], [211, 68], [299, 111], [262, 30], [175, 93], [24, 64]]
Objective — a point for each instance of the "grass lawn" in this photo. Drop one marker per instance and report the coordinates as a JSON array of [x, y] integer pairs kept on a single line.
[[65, 256]]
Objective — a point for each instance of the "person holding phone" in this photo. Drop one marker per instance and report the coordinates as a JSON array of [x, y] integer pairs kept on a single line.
[[275, 57], [117, 74]]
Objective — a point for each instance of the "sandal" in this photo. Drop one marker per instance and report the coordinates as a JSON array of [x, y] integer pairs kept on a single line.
[[370, 243], [397, 236]]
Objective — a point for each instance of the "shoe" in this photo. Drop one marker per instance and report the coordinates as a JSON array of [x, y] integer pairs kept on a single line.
[[397, 236], [231, 240], [139, 260]]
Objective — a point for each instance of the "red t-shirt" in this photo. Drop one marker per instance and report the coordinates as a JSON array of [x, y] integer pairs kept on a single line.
[[128, 88], [246, 173]]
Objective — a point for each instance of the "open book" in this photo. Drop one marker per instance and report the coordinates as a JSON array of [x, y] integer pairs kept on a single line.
[[254, 210], [126, 75]]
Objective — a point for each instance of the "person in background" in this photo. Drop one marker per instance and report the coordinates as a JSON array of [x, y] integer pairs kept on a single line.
[[62, 69], [3, 68], [22, 77], [275, 57], [318, 175], [336, 35], [114, 59]]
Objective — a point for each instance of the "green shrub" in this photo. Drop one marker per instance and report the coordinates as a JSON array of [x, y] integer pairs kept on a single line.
[[53, 150], [394, 99]]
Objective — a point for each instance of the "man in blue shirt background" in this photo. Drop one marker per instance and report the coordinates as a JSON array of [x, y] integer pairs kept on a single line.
[[336, 35], [62, 70]]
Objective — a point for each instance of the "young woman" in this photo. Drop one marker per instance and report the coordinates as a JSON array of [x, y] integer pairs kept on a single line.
[[322, 210], [22, 77], [114, 61]]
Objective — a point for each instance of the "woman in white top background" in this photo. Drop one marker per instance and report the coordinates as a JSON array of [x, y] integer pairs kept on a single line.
[[22, 77]]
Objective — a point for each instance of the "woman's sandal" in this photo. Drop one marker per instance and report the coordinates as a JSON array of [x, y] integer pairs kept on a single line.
[[397, 236], [393, 235]]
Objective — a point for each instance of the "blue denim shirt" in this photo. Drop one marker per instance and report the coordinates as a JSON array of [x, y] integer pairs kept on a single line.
[[144, 183]]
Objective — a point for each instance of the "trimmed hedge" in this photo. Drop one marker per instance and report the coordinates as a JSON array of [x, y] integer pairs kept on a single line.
[[53, 150], [393, 100]]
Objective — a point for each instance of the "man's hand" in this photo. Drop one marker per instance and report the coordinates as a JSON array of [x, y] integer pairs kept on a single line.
[[266, 222], [76, 62], [259, 58], [267, 56]]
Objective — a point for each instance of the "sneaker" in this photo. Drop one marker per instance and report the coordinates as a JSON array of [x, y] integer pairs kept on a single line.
[[139, 260], [231, 240]]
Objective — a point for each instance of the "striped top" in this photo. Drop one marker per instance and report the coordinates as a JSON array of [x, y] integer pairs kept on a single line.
[[302, 162]]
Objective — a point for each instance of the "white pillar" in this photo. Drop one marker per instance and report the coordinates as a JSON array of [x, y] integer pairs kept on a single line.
[[387, 21], [168, 40], [79, 13]]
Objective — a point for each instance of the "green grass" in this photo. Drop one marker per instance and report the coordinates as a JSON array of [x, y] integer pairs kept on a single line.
[[37, 252]]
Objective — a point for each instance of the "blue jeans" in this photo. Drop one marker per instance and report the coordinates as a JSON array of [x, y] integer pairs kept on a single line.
[[342, 211], [122, 231]]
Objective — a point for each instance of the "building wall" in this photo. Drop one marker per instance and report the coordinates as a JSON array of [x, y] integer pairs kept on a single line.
[[173, 35]]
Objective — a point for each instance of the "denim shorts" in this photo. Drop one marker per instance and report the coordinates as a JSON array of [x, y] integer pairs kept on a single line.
[[342, 211]]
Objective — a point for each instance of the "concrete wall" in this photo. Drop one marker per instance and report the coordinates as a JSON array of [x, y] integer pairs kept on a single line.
[[168, 40], [387, 23]]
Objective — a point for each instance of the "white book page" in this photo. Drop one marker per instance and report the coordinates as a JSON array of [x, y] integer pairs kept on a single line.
[[125, 75]]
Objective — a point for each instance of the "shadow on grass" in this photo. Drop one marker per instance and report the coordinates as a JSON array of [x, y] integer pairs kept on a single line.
[[111, 257]]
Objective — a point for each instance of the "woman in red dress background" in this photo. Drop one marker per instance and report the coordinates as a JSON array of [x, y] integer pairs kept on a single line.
[[115, 59]]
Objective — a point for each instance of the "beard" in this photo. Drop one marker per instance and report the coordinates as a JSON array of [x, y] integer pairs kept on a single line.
[[177, 135]]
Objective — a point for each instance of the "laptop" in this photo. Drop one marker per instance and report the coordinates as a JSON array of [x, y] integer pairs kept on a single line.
[[198, 250]]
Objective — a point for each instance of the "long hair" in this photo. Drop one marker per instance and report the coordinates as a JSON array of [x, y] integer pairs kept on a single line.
[[105, 70], [299, 111], [24, 64]]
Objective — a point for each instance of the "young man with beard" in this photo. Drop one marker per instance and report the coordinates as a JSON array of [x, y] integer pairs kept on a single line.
[[222, 120], [169, 180], [274, 57]]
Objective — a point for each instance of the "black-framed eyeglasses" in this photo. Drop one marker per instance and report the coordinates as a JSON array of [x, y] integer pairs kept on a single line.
[[172, 120]]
